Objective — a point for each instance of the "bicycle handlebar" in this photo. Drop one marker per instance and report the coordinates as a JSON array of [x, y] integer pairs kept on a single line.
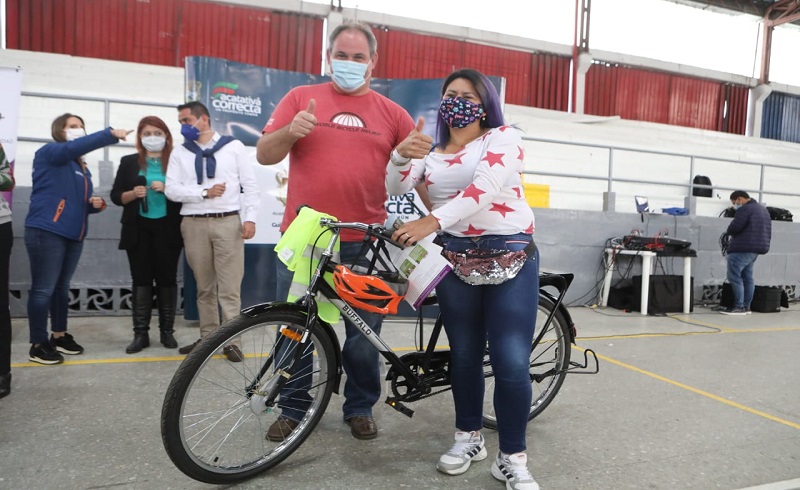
[[375, 230]]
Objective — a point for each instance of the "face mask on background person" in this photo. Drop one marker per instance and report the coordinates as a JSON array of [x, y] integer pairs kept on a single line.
[[458, 112], [189, 132], [737, 206], [154, 143], [348, 75], [74, 133]]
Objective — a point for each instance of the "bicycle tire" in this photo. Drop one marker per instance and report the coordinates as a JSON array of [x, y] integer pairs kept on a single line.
[[552, 354], [212, 427]]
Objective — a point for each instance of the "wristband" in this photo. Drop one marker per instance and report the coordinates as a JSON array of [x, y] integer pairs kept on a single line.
[[397, 159]]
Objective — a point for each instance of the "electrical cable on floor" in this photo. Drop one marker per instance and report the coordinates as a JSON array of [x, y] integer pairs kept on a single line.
[[710, 329]]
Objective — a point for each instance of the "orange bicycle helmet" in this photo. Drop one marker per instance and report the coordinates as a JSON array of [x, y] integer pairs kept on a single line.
[[368, 293]]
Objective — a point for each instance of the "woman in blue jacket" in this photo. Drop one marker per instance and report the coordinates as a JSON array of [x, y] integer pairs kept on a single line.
[[61, 201]]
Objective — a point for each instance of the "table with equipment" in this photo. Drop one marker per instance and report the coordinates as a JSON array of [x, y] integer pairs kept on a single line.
[[647, 265]]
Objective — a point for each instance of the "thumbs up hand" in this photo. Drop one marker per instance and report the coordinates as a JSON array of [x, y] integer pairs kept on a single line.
[[416, 144], [304, 121]]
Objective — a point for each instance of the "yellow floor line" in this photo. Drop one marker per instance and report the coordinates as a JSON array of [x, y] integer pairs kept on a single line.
[[123, 360], [684, 334], [119, 360], [699, 392]]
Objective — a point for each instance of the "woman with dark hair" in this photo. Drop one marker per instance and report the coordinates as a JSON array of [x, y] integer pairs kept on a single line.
[[151, 232], [473, 178], [6, 240], [57, 221]]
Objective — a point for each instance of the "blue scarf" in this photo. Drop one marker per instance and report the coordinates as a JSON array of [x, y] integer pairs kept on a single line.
[[208, 154]]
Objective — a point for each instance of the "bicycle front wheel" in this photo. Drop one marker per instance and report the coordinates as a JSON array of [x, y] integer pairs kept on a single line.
[[216, 412], [548, 364]]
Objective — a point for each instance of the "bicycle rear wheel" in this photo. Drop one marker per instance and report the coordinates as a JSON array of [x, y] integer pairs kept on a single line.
[[214, 418], [548, 363]]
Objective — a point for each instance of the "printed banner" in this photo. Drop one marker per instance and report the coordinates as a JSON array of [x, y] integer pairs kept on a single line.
[[11, 88]]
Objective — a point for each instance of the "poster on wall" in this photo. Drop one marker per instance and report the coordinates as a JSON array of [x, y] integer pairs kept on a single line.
[[241, 97], [11, 88]]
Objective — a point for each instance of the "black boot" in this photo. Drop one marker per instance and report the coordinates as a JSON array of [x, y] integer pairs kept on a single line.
[[167, 302], [142, 308], [5, 384]]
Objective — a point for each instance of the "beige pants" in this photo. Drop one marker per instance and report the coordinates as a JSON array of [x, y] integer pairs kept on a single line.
[[214, 249]]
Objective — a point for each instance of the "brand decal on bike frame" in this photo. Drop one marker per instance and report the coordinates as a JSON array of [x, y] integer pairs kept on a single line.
[[353, 316]]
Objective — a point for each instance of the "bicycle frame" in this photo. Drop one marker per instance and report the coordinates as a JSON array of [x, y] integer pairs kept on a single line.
[[418, 387]]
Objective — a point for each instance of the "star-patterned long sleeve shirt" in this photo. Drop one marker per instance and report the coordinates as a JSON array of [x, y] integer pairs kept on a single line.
[[475, 191]]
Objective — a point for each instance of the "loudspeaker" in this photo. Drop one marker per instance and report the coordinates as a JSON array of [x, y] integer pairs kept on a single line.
[[666, 294], [621, 296], [766, 299]]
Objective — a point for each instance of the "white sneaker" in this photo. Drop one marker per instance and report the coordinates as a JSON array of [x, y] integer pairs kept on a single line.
[[469, 446], [513, 469]]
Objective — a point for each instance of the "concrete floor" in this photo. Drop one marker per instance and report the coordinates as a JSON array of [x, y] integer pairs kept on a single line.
[[695, 401]]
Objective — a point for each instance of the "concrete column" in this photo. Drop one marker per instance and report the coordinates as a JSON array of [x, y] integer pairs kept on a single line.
[[690, 203], [584, 63], [335, 19], [755, 109], [610, 201], [106, 175]]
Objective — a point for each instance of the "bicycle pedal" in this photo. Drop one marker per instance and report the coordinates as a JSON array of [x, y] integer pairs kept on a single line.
[[400, 407]]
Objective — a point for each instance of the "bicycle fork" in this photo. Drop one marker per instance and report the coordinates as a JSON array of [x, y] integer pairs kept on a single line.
[[265, 389]]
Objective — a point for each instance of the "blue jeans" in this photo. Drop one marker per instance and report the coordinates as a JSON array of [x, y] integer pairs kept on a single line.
[[505, 315], [6, 242], [740, 275], [53, 261], [359, 358]]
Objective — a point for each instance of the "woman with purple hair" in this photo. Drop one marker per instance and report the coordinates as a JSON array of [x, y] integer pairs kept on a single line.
[[474, 182]]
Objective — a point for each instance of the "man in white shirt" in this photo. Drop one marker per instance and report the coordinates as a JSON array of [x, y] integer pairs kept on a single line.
[[212, 176]]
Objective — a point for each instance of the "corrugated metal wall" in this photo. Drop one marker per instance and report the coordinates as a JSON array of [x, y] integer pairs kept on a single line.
[[646, 95], [163, 32], [781, 119], [532, 79]]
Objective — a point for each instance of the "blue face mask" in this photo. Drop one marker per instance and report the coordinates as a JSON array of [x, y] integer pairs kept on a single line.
[[737, 206], [190, 132], [348, 75]]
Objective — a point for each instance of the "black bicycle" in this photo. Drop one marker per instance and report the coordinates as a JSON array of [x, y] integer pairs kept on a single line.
[[216, 413]]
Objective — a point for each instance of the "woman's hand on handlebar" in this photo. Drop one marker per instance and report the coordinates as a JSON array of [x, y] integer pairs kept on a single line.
[[413, 231]]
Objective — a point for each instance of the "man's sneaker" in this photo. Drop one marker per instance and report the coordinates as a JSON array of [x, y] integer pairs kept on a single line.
[[469, 447], [45, 353], [66, 345], [733, 311], [513, 469]]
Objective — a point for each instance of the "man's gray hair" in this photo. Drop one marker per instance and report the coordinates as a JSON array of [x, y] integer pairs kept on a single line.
[[355, 26]]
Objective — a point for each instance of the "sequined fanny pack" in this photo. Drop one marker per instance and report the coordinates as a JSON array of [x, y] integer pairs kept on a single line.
[[480, 267]]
